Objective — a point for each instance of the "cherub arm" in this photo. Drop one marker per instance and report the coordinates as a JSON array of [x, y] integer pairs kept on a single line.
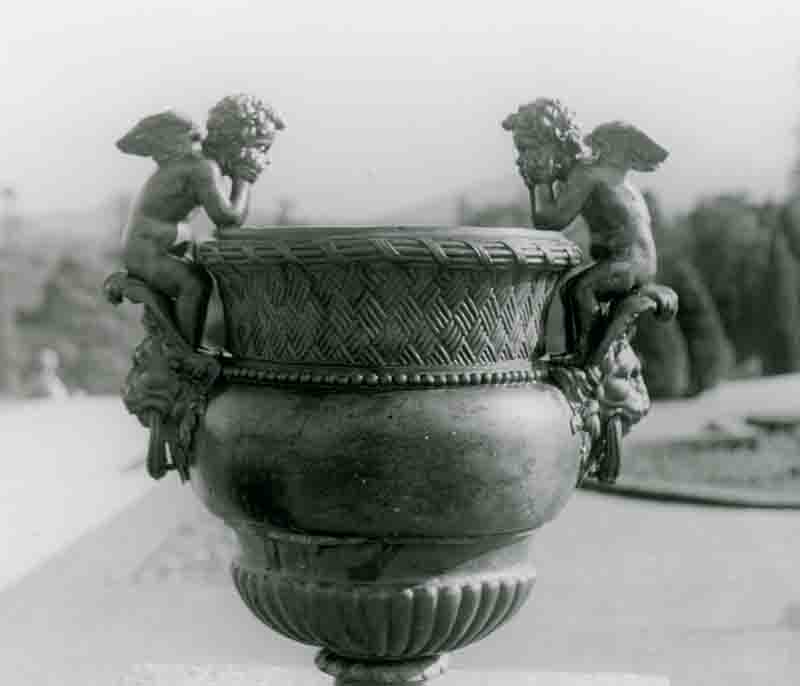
[[553, 211], [223, 211]]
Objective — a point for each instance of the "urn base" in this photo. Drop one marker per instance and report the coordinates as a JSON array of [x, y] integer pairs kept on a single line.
[[374, 601], [354, 673]]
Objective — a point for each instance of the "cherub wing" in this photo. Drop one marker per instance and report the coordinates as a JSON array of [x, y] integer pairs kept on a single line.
[[641, 151], [159, 134]]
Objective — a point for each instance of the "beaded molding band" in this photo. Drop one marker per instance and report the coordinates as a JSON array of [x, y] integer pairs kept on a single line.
[[249, 373]]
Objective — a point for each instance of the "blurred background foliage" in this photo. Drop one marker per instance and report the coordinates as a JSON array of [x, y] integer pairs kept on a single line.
[[735, 265], [734, 262], [51, 298]]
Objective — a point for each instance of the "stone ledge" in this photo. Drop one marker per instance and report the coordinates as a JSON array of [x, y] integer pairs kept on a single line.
[[260, 675]]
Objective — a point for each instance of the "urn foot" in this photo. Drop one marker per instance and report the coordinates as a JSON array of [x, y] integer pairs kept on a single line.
[[348, 672]]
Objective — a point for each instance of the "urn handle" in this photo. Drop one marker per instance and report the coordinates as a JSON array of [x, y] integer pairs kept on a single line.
[[609, 466], [604, 385], [157, 458], [570, 175], [168, 385]]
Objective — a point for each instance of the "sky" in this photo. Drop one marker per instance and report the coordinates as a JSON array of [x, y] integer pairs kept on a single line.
[[393, 105]]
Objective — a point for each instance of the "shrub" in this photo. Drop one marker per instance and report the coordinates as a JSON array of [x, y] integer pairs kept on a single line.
[[710, 353], [781, 309], [729, 247], [664, 355]]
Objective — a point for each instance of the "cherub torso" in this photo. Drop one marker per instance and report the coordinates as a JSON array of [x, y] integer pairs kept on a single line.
[[166, 200], [619, 222]]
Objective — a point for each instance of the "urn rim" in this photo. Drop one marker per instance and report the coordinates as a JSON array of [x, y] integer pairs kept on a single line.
[[441, 231], [452, 247]]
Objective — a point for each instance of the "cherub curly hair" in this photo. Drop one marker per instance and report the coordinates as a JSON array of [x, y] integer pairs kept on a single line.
[[236, 123], [547, 138]]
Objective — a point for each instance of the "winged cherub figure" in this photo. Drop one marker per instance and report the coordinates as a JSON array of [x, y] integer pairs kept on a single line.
[[569, 179], [189, 175]]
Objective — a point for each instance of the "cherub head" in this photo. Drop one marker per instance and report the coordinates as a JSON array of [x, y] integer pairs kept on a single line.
[[619, 144], [547, 138], [162, 136], [241, 129]]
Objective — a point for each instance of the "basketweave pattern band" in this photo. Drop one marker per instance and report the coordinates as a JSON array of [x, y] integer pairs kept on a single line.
[[383, 315]]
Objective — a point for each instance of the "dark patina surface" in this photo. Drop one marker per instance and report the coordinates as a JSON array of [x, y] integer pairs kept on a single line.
[[386, 429], [434, 462]]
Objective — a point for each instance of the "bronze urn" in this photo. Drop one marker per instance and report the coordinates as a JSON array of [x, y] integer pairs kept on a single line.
[[385, 427]]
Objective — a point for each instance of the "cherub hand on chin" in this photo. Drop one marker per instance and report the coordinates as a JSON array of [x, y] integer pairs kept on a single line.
[[548, 141], [249, 166], [190, 174]]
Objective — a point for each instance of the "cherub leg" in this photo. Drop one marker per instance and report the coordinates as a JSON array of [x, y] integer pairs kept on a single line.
[[603, 281], [570, 307], [192, 305], [580, 306], [570, 323], [191, 287]]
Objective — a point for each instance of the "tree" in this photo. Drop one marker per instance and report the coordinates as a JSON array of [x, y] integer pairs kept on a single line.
[[730, 249], [284, 216], [709, 352], [693, 353], [790, 224], [93, 339], [662, 349], [780, 301]]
